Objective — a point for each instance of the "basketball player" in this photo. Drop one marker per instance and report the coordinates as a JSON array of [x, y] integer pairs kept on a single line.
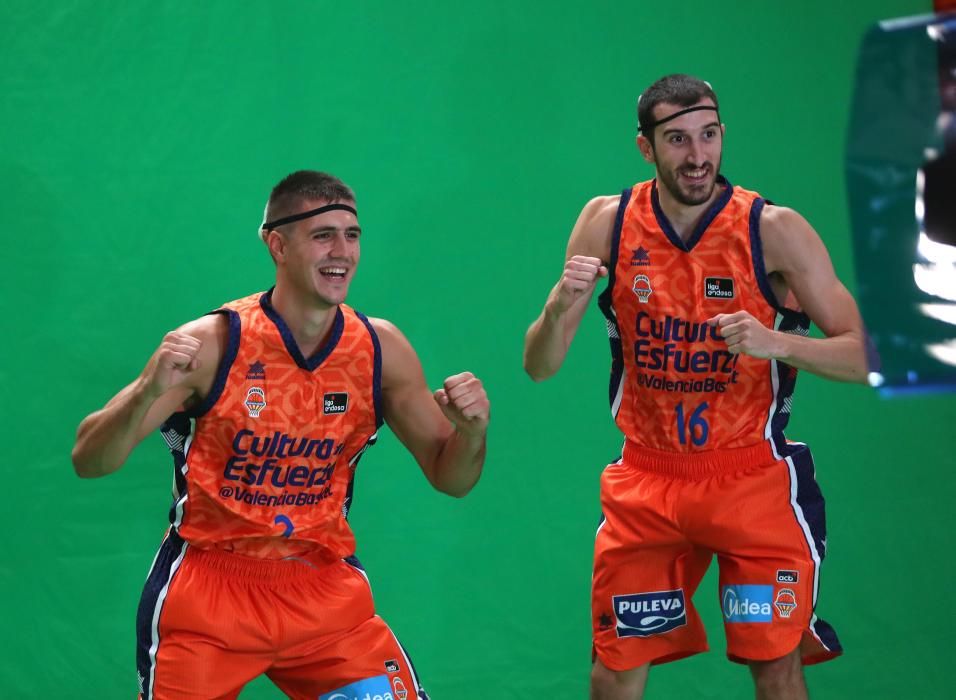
[[710, 292], [266, 405]]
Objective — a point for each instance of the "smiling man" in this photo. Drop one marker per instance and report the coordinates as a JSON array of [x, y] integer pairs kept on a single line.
[[710, 293], [266, 405]]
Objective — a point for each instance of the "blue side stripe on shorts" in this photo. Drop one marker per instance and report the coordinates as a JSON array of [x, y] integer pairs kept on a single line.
[[811, 502], [159, 576]]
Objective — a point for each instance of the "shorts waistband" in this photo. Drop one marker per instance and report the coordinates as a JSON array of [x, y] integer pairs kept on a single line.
[[240, 566], [698, 465]]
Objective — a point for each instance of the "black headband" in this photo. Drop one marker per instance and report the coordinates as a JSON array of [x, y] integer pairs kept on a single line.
[[269, 225], [649, 127]]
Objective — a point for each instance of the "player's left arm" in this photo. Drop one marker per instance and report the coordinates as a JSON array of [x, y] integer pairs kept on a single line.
[[445, 430], [794, 250]]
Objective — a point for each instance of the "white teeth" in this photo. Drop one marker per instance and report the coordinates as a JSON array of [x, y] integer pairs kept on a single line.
[[333, 270]]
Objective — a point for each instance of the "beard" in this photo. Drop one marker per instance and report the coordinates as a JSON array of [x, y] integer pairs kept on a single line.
[[692, 195]]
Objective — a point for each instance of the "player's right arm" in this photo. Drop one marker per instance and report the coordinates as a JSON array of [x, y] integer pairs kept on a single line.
[[588, 256], [179, 373]]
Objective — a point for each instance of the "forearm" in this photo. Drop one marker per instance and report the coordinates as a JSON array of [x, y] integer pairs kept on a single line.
[[105, 439], [458, 465], [546, 343], [839, 357]]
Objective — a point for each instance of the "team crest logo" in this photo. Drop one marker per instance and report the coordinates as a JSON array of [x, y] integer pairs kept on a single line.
[[255, 401], [785, 602], [642, 288], [400, 691]]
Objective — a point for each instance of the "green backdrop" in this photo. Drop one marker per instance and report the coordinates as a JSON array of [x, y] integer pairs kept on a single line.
[[139, 141]]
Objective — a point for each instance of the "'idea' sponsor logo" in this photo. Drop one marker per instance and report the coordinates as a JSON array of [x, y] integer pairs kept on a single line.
[[747, 603]]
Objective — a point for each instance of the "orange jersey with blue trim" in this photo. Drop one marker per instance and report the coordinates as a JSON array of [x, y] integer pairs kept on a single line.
[[674, 385], [264, 466]]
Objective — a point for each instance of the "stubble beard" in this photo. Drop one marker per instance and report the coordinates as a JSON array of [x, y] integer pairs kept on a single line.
[[693, 197]]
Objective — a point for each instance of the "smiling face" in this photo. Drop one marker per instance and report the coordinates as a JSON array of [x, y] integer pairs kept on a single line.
[[316, 257], [686, 152]]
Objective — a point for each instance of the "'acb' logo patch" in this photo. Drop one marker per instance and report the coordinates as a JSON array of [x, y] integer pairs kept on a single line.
[[337, 402]]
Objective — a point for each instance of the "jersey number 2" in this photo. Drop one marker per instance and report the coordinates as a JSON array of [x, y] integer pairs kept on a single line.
[[696, 425]]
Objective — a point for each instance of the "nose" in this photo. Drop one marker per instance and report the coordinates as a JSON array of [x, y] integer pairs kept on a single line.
[[696, 153], [340, 246]]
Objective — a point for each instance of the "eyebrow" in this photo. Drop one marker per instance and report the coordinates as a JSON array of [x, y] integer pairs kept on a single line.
[[680, 131], [319, 229]]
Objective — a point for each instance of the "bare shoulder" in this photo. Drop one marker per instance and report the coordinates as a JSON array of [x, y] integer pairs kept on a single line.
[[212, 331], [592, 232], [602, 208], [398, 356], [387, 332], [787, 238]]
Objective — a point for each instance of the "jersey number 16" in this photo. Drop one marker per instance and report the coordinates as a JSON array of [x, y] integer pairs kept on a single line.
[[696, 425]]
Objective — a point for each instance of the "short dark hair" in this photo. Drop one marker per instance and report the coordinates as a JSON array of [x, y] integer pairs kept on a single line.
[[301, 186], [677, 89]]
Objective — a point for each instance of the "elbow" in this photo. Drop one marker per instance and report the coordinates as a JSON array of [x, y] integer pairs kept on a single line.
[[83, 469], [457, 490], [86, 467], [457, 487], [537, 372]]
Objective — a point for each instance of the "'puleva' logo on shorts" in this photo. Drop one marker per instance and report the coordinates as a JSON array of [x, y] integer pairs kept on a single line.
[[377, 688], [644, 614], [747, 603]]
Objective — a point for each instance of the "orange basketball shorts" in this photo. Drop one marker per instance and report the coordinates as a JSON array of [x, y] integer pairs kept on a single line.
[[665, 516], [211, 621]]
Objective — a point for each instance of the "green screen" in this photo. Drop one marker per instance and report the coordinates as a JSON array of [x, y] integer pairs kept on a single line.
[[139, 144]]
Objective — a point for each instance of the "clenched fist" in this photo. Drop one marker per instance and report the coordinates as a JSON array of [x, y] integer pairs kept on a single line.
[[580, 275], [464, 402], [174, 360], [745, 334]]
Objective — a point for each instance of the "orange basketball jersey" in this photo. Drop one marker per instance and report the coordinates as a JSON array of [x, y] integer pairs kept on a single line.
[[264, 466], [674, 385]]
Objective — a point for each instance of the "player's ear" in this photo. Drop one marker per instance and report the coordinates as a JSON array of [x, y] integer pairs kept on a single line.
[[277, 245], [646, 148]]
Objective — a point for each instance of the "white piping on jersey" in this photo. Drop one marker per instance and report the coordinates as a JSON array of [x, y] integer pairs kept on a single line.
[[619, 395], [368, 443], [612, 332], [775, 388], [182, 498]]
